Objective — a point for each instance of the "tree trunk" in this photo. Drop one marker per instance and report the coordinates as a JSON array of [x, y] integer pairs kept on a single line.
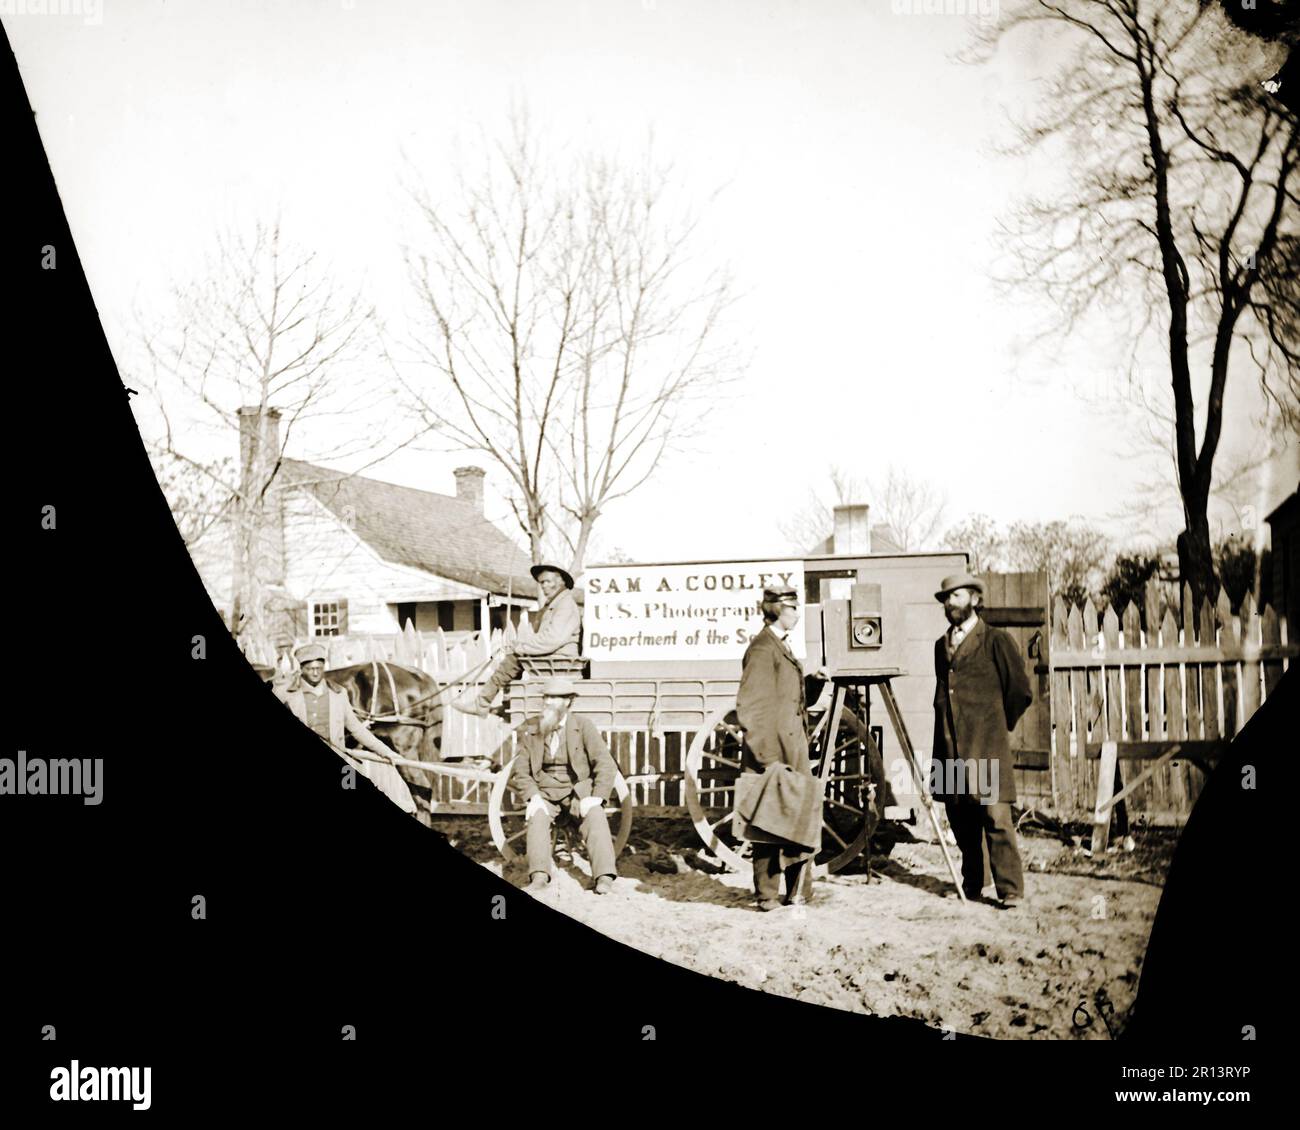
[[1195, 561]]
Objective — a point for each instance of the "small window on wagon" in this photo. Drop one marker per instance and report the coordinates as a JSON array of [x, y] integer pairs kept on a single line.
[[329, 617]]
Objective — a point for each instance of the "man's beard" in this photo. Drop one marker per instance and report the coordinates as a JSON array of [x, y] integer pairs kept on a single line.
[[550, 720], [958, 615]]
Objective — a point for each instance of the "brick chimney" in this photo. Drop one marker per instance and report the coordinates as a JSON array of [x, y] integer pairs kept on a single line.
[[469, 486], [259, 452], [852, 528]]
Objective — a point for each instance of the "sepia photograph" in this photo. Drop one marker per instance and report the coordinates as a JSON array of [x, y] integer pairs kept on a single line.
[[805, 489]]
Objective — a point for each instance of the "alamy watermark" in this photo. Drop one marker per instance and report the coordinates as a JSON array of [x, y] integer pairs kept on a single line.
[[60, 776], [90, 11], [101, 1084], [984, 9]]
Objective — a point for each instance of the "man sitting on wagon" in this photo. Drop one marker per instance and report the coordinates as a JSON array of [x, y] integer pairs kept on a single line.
[[563, 765], [556, 636], [324, 708]]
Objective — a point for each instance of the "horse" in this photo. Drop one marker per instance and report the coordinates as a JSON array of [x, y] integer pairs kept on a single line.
[[402, 707]]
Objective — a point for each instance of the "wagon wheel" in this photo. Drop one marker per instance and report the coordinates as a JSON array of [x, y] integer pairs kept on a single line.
[[712, 766], [506, 819]]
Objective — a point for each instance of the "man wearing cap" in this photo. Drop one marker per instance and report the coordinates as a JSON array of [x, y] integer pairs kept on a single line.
[[325, 708], [556, 635], [778, 800], [563, 765], [981, 690]]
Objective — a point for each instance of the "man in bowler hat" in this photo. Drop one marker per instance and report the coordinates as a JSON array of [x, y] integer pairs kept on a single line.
[[981, 690], [563, 767], [556, 635]]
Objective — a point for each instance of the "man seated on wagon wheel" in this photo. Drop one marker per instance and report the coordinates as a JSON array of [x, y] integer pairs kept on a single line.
[[324, 708], [778, 800], [564, 766], [557, 635]]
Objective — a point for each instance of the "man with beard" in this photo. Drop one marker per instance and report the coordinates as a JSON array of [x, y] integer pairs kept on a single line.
[[563, 767], [557, 635], [325, 709], [980, 693]]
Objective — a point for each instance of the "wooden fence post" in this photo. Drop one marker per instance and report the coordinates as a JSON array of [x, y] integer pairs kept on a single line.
[[1062, 715], [1228, 641]]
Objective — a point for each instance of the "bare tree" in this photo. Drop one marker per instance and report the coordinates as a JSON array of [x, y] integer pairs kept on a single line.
[[981, 538], [813, 523], [264, 337], [911, 507], [1071, 554], [1183, 198], [569, 333]]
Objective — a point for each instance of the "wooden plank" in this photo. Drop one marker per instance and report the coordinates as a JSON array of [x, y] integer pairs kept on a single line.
[[1250, 667], [1228, 639], [1105, 790], [1113, 676], [1271, 636], [1132, 621], [1192, 671], [1114, 703], [1020, 616], [1209, 674], [1147, 751], [1158, 794], [1175, 721], [1068, 657], [1079, 698], [1061, 770]]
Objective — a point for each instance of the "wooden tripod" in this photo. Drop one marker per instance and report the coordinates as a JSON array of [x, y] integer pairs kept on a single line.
[[862, 682]]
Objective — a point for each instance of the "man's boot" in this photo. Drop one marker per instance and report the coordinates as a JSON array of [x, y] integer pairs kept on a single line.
[[539, 881]]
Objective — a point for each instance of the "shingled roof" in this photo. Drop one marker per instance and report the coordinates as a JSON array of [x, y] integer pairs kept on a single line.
[[438, 533]]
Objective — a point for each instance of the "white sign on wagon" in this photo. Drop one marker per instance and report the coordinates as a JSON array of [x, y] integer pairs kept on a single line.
[[703, 610]]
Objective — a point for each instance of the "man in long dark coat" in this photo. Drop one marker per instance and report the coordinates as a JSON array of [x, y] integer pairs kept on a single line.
[[981, 690], [778, 800]]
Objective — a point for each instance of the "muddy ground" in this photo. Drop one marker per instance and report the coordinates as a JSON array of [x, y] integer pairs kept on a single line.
[[896, 944]]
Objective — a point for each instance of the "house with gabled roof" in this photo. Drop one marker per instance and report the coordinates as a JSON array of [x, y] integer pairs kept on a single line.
[[350, 554]]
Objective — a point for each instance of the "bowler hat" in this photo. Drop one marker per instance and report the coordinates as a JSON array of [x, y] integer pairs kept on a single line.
[[958, 581], [785, 594], [537, 570], [557, 685], [310, 652]]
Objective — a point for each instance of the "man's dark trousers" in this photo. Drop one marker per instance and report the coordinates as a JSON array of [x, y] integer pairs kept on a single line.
[[975, 825], [595, 838], [767, 873]]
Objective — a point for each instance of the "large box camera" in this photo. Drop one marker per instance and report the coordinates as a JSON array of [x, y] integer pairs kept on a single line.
[[866, 633]]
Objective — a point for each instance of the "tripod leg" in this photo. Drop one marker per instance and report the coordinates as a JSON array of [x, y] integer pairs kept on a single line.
[[905, 743]]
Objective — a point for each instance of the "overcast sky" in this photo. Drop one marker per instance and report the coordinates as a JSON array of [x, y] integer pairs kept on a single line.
[[860, 203]]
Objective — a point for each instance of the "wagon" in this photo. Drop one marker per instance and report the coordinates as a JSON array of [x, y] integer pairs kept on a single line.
[[690, 724]]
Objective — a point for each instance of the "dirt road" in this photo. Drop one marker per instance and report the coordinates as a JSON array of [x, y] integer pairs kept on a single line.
[[900, 944]]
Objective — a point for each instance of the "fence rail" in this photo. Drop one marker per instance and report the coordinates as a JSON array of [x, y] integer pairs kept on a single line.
[[1190, 676]]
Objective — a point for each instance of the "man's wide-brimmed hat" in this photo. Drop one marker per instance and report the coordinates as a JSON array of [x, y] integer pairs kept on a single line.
[[557, 686], [538, 570], [958, 581], [310, 652]]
